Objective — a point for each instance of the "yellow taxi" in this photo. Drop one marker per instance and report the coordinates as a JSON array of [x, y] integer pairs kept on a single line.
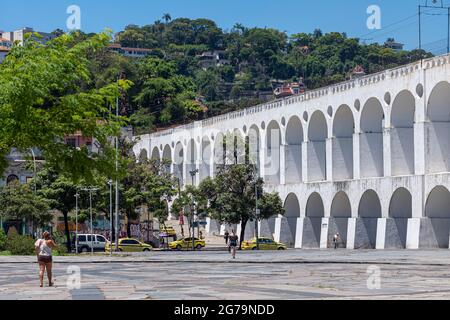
[[129, 245], [186, 243], [170, 231], [264, 244]]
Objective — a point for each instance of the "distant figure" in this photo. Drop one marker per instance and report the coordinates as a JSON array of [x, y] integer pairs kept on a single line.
[[336, 239], [43, 248], [201, 235], [227, 235], [233, 243]]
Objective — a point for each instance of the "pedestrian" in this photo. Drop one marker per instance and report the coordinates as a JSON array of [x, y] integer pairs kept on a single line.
[[233, 243], [336, 240], [43, 248], [227, 235]]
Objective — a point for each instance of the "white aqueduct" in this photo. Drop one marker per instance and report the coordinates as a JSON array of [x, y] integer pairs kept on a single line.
[[368, 158]]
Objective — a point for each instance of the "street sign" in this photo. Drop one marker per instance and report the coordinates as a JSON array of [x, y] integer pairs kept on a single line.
[[258, 212]]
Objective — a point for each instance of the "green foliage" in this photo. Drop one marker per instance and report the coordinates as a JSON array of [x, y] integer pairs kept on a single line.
[[3, 239], [59, 239], [20, 245], [47, 93], [230, 197], [20, 202]]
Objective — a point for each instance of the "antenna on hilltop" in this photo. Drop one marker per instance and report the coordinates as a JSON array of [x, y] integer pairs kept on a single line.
[[434, 4]]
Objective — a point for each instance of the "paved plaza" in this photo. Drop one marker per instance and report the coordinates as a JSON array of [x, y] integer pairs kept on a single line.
[[293, 274]]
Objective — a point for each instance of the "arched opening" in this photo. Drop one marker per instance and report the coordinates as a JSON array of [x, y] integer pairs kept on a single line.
[[191, 164], [402, 134], [400, 210], [11, 179], [272, 165], [293, 151], [369, 212], [219, 152], [435, 231], [438, 129], [254, 147], [292, 213], [167, 158], [317, 135], [178, 163], [371, 140], [341, 211], [235, 148], [156, 156], [312, 226], [343, 129], [205, 166], [143, 156]]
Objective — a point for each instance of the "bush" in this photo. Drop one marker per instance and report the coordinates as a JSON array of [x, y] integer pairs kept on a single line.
[[61, 247], [20, 246], [3, 239]]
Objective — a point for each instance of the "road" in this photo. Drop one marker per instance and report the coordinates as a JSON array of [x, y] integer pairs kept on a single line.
[[294, 274]]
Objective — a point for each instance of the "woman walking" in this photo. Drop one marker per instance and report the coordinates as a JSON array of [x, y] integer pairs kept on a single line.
[[233, 243], [43, 249]]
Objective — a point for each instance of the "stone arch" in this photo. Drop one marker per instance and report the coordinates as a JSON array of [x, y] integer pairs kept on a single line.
[[236, 147], [156, 155], [371, 139], [343, 130], [289, 222], [438, 129], [312, 227], [293, 150], [191, 161], [178, 163], [317, 135], [369, 211], [219, 152], [206, 153], [435, 229], [402, 134], [167, 158], [341, 211], [254, 147], [400, 210], [143, 155], [273, 153]]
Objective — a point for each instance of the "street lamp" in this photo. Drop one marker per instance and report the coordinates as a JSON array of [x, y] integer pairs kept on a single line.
[[193, 174], [77, 196], [91, 190], [110, 183]]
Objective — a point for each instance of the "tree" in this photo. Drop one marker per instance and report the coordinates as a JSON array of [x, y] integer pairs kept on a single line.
[[231, 196], [167, 17], [18, 201], [46, 94]]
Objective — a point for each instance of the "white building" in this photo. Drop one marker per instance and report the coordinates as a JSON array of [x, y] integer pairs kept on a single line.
[[368, 158], [19, 35]]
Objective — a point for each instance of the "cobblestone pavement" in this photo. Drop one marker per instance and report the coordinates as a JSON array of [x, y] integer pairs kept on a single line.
[[294, 274]]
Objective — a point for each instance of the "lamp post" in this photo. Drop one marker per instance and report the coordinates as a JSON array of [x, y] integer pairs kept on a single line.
[[110, 183], [91, 190], [77, 196], [257, 212], [193, 174]]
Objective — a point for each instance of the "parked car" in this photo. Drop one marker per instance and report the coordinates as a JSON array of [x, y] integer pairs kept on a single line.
[[87, 241], [129, 245], [187, 243], [264, 244]]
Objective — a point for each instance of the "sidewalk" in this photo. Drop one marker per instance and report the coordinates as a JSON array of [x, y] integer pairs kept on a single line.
[[384, 257]]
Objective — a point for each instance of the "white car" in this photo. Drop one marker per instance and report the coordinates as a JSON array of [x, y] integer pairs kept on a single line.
[[86, 241]]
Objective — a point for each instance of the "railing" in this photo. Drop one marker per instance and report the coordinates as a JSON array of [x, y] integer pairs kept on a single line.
[[316, 93]]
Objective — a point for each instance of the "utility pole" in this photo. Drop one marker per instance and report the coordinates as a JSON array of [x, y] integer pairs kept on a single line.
[[257, 212], [436, 4], [117, 181]]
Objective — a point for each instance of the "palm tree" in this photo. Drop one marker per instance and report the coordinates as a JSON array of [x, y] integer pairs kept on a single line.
[[167, 17]]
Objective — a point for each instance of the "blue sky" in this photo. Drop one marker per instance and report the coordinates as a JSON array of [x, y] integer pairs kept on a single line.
[[292, 16]]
